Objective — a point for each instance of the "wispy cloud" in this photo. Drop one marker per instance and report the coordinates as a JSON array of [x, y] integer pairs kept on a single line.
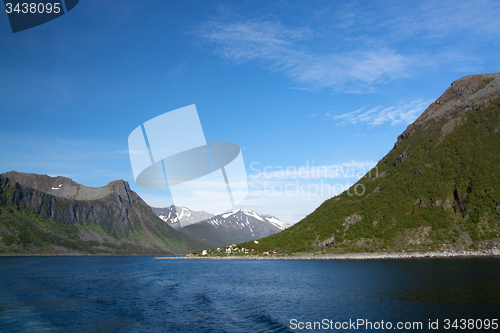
[[243, 41], [356, 48], [443, 19], [284, 50], [403, 113]]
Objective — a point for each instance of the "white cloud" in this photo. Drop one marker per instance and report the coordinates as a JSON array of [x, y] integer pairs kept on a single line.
[[353, 70], [403, 113], [243, 41], [284, 50]]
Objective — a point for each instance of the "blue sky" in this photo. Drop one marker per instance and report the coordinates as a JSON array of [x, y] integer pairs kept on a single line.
[[325, 84]]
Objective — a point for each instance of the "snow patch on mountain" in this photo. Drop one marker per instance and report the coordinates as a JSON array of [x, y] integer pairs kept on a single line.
[[277, 222], [229, 214]]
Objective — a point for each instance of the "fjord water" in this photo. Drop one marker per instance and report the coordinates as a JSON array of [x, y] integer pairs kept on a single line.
[[139, 294]]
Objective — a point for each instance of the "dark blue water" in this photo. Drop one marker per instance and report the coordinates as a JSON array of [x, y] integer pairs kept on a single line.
[[139, 294]]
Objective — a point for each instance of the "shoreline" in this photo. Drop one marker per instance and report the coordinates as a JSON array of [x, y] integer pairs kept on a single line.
[[349, 256], [301, 256]]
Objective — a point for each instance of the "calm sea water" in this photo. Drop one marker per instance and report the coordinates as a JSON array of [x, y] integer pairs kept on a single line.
[[139, 294]]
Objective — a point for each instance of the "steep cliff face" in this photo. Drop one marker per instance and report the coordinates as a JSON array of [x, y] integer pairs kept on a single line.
[[438, 188], [118, 213], [114, 207]]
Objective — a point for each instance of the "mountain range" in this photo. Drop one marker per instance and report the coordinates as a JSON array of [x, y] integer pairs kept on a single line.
[[438, 188], [223, 229], [40, 214]]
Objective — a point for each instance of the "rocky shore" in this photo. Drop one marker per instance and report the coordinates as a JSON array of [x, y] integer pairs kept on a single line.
[[349, 256]]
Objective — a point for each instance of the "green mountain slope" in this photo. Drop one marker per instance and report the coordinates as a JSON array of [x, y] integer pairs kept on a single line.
[[46, 215], [439, 188]]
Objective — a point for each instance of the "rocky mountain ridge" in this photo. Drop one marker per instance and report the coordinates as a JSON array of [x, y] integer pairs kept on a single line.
[[470, 92], [112, 218]]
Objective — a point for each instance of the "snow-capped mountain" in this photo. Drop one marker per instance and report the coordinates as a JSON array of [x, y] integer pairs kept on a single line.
[[223, 229], [180, 216], [248, 218]]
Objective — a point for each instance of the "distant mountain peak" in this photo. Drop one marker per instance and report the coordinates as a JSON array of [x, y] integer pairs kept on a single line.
[[241, 211], [222, 229], [178, 216]]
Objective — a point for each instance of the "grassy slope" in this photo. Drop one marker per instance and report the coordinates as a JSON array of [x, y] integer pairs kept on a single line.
[[23, 232], [408, 203]]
